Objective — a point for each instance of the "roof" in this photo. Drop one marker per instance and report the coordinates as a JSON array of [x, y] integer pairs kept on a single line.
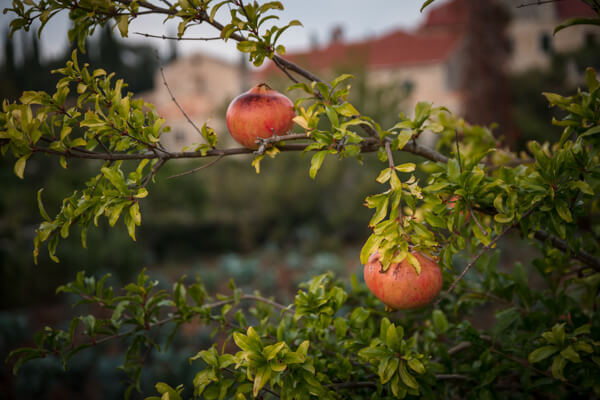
[[452, 13], [398, 48], [573, 8]]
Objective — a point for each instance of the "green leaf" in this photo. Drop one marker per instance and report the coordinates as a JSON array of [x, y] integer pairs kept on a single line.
[[123, 25], [407, 378], [247, 46], [43, 212], [332, 116], [316, 162], [370, 246], [263, 374], [582, 330], [243, 342], [341, 327], [558, 332], [293, 358], [346, 109], [391, 338], [425, 4], [570, 354], [380, 213], [412, 260], [416, 366], [592, 131], [134, 211], [541, 353], [389, 369], [340, 79], [20, 166], [215, 8], [403, 138], [577, 21], [116, 178], [563, 210], [384, 175], [591, 79], [558, 366], [453, 169], [271, 351], [406, 167], [440, 323]]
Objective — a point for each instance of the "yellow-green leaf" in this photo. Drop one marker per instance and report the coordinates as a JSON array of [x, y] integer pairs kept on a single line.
[[20, 166]]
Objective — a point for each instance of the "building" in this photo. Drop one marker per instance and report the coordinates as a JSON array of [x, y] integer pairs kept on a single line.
[[429, 60], [203, 86]]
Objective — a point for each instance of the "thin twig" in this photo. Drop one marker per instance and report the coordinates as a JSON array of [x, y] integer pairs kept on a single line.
[[458, 152], [164, 37], [457, 377], [167, 3], [459, 347], [162, 73], [388, 151], [365, 384], [581, 255], [198, 168], [537, 3], [276, 138], [483, 231], [478, 255], [285, 70], [526, 364], [158, 166]]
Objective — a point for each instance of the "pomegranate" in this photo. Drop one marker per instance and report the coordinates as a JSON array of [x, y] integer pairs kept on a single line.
[[399, 287], [261, 112]]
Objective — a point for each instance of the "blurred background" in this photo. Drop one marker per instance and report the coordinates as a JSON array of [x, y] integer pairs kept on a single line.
[[488, 61]]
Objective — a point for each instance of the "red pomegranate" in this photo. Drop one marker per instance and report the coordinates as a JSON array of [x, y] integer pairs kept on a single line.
[[399, 287], [261, 112]]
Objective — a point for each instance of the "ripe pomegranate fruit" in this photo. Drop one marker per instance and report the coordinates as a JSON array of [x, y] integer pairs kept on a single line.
[[261, 112], [399, 287]]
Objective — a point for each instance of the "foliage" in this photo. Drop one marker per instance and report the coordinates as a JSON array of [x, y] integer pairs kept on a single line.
[[332, 341]]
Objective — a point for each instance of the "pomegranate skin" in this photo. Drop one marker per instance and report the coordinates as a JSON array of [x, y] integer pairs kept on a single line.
[[399, 287], [260, 112]]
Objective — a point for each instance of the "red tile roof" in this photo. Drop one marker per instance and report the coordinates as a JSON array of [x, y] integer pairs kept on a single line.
[[451, 13], [394, 49], [573, 8]]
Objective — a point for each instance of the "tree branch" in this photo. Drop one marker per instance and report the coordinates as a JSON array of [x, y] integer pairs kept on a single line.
[[205, 39], [580, 255], [537, 3], [478, 255], [187, 117], [216, 160]]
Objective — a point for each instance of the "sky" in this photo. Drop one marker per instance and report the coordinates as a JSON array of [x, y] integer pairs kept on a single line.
[[358, 18]]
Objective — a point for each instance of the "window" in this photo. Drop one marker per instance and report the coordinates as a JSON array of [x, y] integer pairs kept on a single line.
[[545, 42], [179, 137]]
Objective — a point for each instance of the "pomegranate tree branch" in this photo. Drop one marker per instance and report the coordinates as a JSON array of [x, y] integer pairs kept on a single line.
[[154, 171], [191, 171], [174, 100], [285, 70], [164, 37], [244, 297], [537, 3], [295, 68], [476, 257], [561, 245], [388, 152]]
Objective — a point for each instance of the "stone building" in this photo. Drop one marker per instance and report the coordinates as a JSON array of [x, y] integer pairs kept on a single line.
[[203, 86], [429, 60]]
